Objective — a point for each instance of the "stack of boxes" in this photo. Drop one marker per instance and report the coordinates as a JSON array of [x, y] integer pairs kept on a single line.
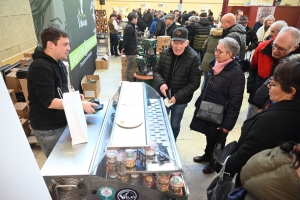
[[124, 66], [163, 42]]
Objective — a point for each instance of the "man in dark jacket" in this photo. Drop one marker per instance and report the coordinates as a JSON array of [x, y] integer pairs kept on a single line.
[[130, 43], [177, 73], [160, 25], [235, 31], [170, 24], [47, 73], [148, 18]]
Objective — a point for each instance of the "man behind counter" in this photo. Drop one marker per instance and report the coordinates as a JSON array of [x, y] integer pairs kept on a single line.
[[47, 73]]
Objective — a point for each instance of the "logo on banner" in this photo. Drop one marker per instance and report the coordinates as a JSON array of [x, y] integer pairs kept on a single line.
[[127, 194], [81, 17], [106, 193]]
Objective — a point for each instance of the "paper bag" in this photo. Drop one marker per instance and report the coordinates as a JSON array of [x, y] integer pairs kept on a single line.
[[75, 117]]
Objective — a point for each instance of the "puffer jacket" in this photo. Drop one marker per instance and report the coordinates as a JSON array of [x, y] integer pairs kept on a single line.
[[130, 40], [209, 47], [225, 87], [170, 29], [270, 174], [160, 27], [237, 32], [148, 18], [186, 74], [200, 33]]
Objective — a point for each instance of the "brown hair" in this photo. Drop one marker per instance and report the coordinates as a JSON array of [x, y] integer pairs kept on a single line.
[[293, 148], [52, 33]]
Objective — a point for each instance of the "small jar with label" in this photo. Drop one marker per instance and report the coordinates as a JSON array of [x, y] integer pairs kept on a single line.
[[123, 177], [112, 173], [130, 158], [178, 192], [176, 183], [150, 152], [149, 181], [163, 187], [121, 165], [163, 177], [111, 156]]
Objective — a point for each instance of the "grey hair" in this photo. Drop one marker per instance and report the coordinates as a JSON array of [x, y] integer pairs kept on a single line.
[[231, 45], [294, 32], [278, 25], [261, 16], [160, 12], [192, 18], [268, 18]]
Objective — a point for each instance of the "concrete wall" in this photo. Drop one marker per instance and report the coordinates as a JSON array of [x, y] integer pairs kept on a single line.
[[16, 29]]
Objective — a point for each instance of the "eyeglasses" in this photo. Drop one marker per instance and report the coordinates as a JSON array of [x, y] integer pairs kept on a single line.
[[218, 51], [282, 50], [271, 83]]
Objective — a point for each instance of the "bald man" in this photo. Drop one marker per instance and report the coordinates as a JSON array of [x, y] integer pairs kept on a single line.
[[235, 31]]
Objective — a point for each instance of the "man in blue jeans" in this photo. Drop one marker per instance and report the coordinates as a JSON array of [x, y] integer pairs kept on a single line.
[[45, 74], [130, 43], [177, 73]]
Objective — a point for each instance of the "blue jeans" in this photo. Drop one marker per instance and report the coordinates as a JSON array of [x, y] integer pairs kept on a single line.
[[130, 63], [176, 116], [48, 138], [114, 44]]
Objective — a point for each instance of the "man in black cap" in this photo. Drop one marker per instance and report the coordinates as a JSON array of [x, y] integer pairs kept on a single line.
[[177, 76], [170, 24]]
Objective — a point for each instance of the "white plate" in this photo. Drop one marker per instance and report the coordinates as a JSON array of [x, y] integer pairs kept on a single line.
[[129, 123]]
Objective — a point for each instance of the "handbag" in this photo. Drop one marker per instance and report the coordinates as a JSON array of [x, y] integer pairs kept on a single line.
[[223, 154], [211, 112], [220, 187], [237, 194], [75, 116]]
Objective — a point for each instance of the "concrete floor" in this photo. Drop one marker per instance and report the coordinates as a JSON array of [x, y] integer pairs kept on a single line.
[[189, 143]]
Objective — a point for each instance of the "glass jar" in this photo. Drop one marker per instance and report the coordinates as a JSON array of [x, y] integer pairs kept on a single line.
[[123, 177], [130, 158], [111, 166], [134, 175], [121, 165], [176, 183], [112, 173], [163, 187], [177, 192], [163, 177], [111, 156], [149, 181]]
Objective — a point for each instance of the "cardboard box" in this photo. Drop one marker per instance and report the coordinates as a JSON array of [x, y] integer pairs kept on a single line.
[[91, 90], [124, 60], [12, 95], [28, 54], [25, 60], [22, 109], [25, 126], [23, 83], [12, 82], [163, 40], [102, 62]]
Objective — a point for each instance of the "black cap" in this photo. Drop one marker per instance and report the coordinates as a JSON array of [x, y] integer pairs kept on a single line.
[[180, 34]]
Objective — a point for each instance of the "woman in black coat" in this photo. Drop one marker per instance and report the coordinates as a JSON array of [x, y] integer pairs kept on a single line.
[[275, 125], [224, 86]]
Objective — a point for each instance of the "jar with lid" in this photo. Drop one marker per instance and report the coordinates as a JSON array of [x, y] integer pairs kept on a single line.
[[111, 156], [163, 187], [178, 192], [121, 165], [112, 173], [130, 158], [149, 181], [123, 177], [176, 183], [163, 177]]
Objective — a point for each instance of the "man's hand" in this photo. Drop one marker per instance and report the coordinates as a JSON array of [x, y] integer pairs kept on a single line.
[[163, 89], [81, 97], [173, 100], [246, 48], [224, 130], [88, 107]]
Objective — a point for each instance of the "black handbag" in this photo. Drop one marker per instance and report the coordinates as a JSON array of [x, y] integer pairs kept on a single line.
[[211, 112], [223, 154], [220, 187]]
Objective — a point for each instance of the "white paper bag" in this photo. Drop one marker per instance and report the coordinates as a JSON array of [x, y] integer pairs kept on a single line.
[[75, 117]]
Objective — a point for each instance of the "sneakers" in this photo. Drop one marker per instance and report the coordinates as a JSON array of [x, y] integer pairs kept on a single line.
[[208, 169], [200, 159]]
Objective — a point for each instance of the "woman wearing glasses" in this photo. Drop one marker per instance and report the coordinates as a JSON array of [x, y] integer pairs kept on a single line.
[[275, 125], [224, 86]]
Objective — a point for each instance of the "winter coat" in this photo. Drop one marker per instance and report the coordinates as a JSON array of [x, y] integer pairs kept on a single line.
[[45, 75], [186, 74], [170, 29], [256, 26], [209, 47], [200, 33], [261, 33], [148, 18], [251, 38], [160, 27], [130, 40], [270, 174], [141, 24], [227, 87], [237, 32], [270, 128], [153, 25]]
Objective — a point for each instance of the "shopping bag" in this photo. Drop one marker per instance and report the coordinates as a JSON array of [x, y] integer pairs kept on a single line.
[[220, 187], [75, 116]]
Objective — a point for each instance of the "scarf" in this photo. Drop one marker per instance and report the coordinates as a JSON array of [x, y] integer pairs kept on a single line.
[[220, 66]]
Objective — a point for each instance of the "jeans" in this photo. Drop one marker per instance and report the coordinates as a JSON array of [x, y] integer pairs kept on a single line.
[[252, 110], [114, 44], [176, 116], [48, 138], [130, 63]]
